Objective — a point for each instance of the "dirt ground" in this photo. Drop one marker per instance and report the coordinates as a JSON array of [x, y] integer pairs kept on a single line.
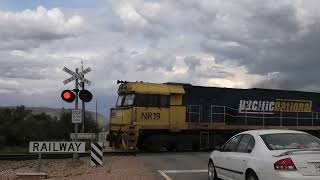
[[114, 168]]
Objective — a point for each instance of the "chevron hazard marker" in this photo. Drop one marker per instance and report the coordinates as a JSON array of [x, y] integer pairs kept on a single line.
[[96, 154]]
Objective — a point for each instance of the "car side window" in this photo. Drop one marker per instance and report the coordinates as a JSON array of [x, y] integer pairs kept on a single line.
[[243, 144], [250, 145], [232, 144]]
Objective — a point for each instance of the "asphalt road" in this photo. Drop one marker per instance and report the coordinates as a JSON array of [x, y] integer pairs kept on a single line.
[[177, 166]]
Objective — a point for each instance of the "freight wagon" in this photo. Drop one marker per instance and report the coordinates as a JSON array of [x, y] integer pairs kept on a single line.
[[174, 116]]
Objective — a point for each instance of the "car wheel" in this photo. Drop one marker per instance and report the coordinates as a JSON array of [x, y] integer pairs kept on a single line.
[[252, 176], [212, 171]]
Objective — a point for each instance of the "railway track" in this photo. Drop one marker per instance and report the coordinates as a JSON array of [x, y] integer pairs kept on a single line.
[[86, 154], [59, 156]]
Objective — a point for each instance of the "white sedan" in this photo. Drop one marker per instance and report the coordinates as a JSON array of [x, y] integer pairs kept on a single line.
[[267, 155]]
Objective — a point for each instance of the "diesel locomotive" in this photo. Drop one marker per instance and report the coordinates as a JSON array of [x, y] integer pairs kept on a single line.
[[176, 116]]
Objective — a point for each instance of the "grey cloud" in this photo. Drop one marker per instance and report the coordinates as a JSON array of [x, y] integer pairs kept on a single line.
[[18, 44], [292, 57], [154, 60], [213, 72], [267, 21], [192, 62], [36, 26], [155, 19], [207, 69], [154, 65], [25, 68], [162, 41], [276, 41], [225, 50]]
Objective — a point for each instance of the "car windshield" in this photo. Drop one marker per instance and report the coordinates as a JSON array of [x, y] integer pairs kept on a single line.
[[281, 141]]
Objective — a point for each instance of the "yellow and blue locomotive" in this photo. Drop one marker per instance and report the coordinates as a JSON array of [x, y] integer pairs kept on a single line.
[[175, 116]]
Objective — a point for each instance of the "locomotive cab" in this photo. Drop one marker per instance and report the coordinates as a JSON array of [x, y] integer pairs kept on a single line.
[[143, 108]]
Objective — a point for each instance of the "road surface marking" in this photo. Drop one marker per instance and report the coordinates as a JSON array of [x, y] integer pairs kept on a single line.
[[164, 175], [165, 172]]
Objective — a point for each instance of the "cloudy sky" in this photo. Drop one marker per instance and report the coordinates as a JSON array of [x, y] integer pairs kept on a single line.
[[235, 43]]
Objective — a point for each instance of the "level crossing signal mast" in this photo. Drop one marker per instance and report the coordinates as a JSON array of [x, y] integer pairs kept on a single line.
[[73, 95], [70, 95]]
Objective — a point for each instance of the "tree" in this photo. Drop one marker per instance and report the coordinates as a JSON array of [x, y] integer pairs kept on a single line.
[[91, 126], [18, 126], [64, 125]]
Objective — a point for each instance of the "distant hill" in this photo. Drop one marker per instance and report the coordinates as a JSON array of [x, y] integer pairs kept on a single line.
[[56, 112]]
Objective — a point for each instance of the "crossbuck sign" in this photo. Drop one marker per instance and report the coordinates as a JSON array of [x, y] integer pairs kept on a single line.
[[76, 75]]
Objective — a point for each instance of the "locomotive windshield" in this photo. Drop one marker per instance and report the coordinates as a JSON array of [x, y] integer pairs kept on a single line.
[[128, 100], [125, 100], [119, 101]]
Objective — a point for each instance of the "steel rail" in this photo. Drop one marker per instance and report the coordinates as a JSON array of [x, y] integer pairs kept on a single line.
[[59, 156]]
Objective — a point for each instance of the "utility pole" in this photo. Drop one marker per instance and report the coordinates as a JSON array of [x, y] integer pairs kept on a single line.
[[83, 104], [96, 111], [75, 155]]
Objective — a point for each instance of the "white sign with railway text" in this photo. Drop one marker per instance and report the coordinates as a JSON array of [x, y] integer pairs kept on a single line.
[[57, 147]]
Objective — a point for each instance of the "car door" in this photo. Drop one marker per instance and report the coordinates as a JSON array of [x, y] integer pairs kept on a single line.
[[241, 156], [223, 158]]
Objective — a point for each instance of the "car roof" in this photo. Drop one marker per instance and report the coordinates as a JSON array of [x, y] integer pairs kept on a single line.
[[270, 131]]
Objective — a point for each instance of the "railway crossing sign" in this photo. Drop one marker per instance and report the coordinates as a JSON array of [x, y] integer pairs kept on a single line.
[[76, 75], [76, 115], [57, 147]]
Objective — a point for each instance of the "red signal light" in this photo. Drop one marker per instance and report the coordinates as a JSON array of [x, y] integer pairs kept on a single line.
[[68, 96]]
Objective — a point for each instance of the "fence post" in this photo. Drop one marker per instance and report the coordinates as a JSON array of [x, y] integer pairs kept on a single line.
[[39, 163]]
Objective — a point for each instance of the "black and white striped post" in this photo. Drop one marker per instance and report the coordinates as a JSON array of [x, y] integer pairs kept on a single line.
[[96, 154]]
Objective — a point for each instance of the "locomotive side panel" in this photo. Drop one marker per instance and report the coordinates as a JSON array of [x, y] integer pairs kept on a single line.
[[151, 117], [177, 117], [251, 106]]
